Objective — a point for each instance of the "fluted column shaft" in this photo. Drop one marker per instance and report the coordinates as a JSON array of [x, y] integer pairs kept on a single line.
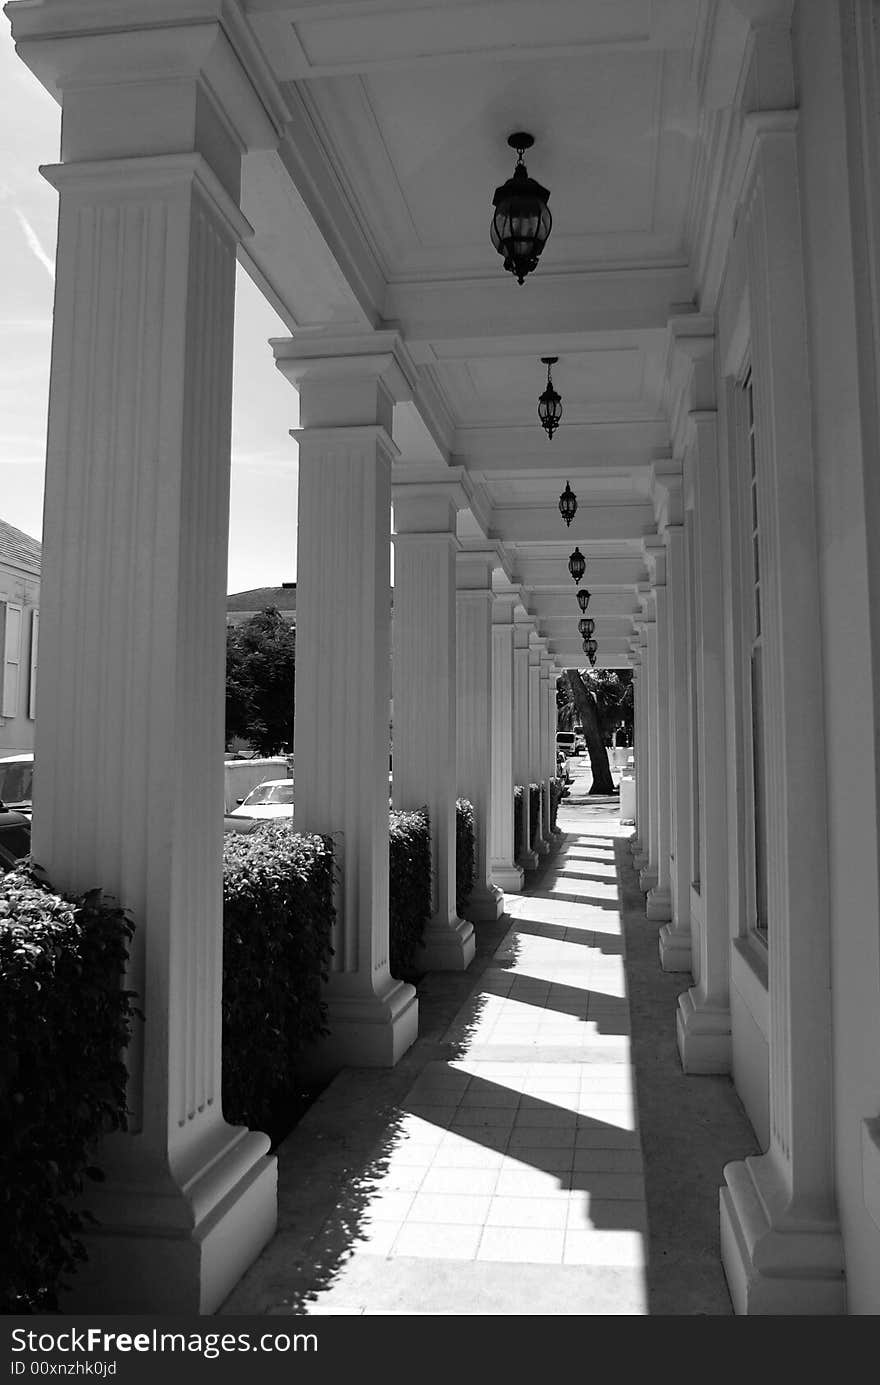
[[130, 701], [342, 736], [536, 766], [425, 699], [474, 661], [675, 940], [503, 869], [527, 858]]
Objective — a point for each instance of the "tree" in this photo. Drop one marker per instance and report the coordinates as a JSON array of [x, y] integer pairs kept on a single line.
[[587, 709], [260, 680]]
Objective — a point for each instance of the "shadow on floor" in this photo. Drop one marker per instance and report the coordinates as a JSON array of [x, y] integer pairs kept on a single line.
[[335, 1165]]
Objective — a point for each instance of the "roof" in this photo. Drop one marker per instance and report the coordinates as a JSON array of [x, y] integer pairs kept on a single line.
[[260, 597], [18, 549]]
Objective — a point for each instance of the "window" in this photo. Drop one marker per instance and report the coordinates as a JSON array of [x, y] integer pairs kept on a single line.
[[10, 646]]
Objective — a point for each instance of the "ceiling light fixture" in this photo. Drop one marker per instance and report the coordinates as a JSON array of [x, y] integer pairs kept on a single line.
[[584, 598], [577, 564], [521, 221], [550, 414]]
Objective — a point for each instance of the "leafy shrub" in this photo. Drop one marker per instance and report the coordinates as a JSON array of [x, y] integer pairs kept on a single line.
[[556, 790], [465, 854], [517, 821], [277, 919], [534, 807], [64, 1021], [409, 895]]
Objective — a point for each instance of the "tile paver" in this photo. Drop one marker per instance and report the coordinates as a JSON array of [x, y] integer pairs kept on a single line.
[[511, 1178]]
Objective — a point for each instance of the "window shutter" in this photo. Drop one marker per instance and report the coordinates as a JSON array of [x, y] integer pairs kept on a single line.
[[12, 619], [32, 687]]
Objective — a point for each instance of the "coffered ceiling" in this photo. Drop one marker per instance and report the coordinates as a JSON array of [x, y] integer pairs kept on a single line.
[[374, 214]]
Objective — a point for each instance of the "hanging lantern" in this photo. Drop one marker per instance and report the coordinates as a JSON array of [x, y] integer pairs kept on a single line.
[[521, 221], [586, 626], [590, 647], [584, 598], [550, 414], [577, 565]]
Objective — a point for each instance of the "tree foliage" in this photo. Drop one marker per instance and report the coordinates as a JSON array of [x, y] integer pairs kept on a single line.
[[586, 709], [260, 678]]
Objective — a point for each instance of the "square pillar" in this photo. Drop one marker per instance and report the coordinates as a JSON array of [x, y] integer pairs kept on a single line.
[[474, 665], [130, 702], [527, 858], [703, 1021], [548, 724], [537, 698], [503, 868], [675, 937], [425, 696], [343, 617]]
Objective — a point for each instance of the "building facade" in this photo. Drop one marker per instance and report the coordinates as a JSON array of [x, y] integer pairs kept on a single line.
[[710, 287], [19, 636]]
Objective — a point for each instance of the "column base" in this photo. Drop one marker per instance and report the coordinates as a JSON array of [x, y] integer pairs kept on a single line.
[[448, 946], [647, 879], [485, 904], [791, 1269], [169, 1248], [508, 878], [542, 846], [366, 1030], [704, 1035], [675, 947], [528, 860], [658, 905]]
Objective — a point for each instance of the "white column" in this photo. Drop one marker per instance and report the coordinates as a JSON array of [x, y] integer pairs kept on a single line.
[[675, 937], [780, 1231], [425, 751], [504, 870], [648, 873], [536, 721], [527, 858], [639, 750], [658, 905], [342, 740], [130, 705], [703, 1021], [548, 675], [474, 601]]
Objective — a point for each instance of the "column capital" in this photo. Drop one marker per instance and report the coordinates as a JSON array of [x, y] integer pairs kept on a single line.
[[654, 550], [345, 380], [666, 493], [132, 84], [475, 564]]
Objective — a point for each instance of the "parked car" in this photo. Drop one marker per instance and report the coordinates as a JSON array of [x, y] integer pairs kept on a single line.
[[240, 824], [271, 799], [565, 741], [16, 782], [15, 837]]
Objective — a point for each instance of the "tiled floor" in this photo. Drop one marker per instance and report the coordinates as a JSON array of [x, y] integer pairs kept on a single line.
[[499, 1169]]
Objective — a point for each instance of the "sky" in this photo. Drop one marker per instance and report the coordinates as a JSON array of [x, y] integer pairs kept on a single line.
[[262, 531]]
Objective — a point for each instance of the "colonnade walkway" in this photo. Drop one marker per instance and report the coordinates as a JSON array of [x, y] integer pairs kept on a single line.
[[538, 1150]]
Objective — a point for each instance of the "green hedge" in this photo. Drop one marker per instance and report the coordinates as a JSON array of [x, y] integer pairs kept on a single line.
[[409, 894], [65, 1020], [556, 791], [534, 806], [465, 854], [517, 821], [277, 926]]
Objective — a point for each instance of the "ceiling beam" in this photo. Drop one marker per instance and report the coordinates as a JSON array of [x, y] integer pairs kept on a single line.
[[460, 311]]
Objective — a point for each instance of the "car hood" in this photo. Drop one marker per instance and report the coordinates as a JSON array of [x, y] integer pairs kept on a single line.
[[264, 810]]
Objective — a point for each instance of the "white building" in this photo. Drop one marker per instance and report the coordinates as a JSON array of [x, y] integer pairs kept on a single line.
[[710, 288], [19, 630]]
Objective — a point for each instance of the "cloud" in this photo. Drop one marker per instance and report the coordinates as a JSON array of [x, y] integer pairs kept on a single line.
[[32, 239]]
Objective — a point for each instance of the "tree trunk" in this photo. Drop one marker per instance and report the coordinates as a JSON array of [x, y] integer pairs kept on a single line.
[[585, 705]]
